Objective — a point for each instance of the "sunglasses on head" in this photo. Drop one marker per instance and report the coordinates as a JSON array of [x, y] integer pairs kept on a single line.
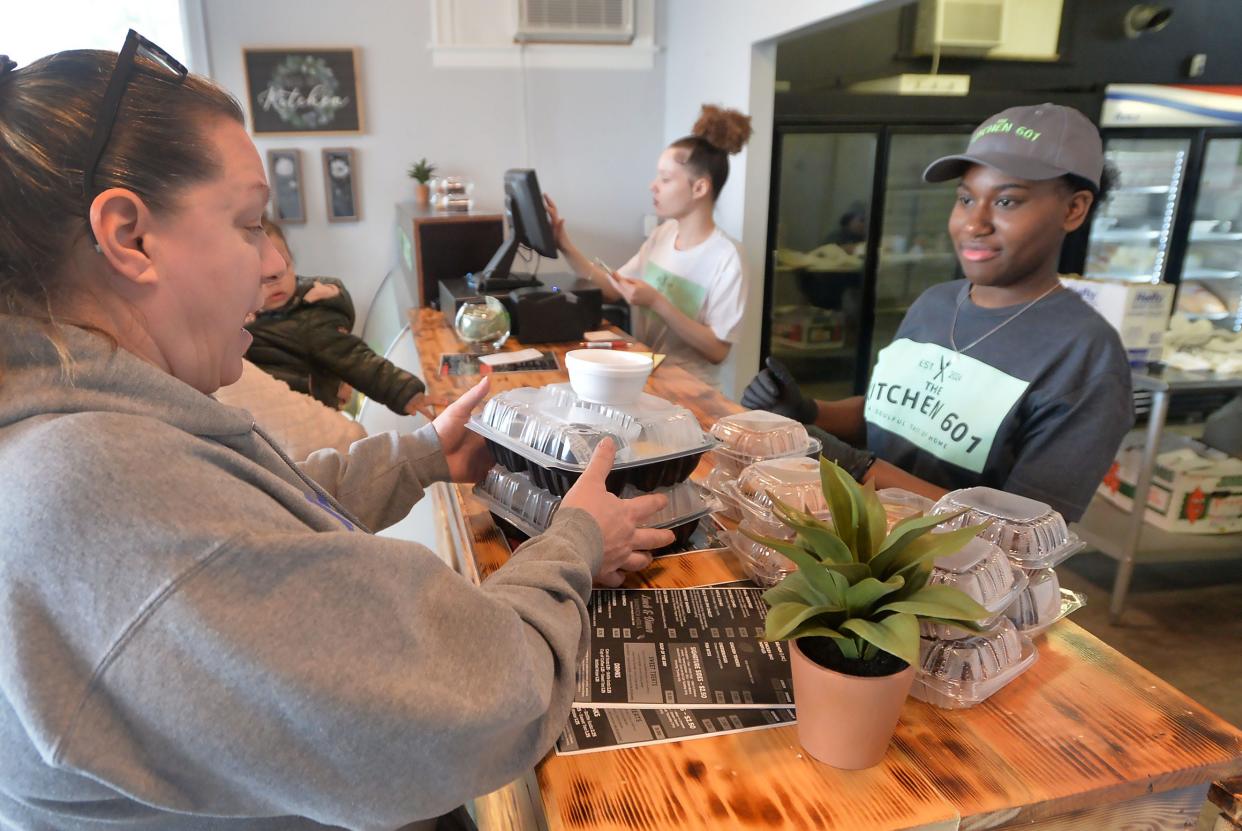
[[122, 74]]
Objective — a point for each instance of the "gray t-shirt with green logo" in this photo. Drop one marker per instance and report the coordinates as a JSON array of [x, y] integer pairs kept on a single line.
[[1037, 408]]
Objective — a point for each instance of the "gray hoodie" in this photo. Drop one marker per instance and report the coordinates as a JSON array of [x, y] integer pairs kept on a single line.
[[198, 634]]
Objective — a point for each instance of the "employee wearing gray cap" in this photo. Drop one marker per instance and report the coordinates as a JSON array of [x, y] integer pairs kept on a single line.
[[1003, 379]]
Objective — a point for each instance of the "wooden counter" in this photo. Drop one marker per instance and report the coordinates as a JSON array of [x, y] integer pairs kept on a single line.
[[1085, 739], [435, 338]]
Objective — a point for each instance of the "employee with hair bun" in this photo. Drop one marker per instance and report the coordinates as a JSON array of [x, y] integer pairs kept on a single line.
[[1004, 379], [685, 285]]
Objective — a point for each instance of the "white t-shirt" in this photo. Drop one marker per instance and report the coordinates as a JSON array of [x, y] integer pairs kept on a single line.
[[705, 282]]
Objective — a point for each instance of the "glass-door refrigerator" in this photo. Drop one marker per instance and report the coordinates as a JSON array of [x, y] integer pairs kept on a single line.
[[1211, 277], [1131, 232], [855, 236], [915, 251], [819, 257], [1177, 215]]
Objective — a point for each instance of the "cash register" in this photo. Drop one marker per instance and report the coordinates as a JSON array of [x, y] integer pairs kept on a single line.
[[541, 310]]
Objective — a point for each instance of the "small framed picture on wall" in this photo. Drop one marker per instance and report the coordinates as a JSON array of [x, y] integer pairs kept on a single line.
[[340, 178], [284, 171]]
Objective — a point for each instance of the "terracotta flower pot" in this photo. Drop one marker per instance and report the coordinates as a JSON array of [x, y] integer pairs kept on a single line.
[[422, 193], [846, 721]]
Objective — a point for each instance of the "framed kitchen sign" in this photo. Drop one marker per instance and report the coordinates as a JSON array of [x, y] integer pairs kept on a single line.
[[295, 91], [284, 172], [340, 179]]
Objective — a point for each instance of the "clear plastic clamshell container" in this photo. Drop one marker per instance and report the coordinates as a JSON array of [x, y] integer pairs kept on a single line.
[[902, 504], [767, 524], [794, 480], [763, 565], [983, 572], [716, 483], [955, 674], [550, 433], [525, 510], [755, 435], [1042, 603], [1030, 532]]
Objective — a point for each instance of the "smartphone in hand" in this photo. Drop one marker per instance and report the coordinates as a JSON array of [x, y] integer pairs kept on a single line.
[[610, 274], [601, 264]]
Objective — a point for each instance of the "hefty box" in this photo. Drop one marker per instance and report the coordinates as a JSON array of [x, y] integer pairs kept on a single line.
[[1194, 489], [1138, 311]]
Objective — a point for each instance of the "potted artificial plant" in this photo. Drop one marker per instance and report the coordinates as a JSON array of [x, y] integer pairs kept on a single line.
[[421, 172], [851, 613]]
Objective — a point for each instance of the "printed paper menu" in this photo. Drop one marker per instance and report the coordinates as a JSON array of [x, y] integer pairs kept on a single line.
[[682, 649], [592, 728]]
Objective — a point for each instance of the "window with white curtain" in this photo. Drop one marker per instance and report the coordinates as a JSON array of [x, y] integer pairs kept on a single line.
[[34, 29]]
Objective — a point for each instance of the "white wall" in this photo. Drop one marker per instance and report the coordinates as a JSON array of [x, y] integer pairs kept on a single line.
[[593, 134], [723, 52]]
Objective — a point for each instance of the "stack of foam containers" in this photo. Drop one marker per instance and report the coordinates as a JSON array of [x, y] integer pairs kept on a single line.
[[1009, 569], [543, 439]]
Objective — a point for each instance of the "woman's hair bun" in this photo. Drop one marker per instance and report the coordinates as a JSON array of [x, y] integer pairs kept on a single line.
[[6, 64], [728, 130]]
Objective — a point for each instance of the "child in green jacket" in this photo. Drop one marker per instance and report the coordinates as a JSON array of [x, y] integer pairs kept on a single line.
[[303, 336]]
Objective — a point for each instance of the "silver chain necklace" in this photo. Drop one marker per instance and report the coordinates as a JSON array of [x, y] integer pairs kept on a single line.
[[993, 330]]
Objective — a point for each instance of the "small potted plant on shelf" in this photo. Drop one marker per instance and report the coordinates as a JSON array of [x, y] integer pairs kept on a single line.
[[851, 613], [421, 172]]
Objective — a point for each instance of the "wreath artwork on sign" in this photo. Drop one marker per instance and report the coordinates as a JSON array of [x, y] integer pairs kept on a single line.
[[311, 110], [303, 91]]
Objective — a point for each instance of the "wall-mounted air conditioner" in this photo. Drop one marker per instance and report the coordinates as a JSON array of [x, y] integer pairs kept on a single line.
[[951, 25], [575, 21], [993, 29]]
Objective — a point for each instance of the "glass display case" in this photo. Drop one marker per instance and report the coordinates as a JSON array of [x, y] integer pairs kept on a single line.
[[1211, 279], [1131, 234]]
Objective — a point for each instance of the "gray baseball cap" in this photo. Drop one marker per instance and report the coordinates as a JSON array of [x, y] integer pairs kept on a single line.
[[1041, 142]]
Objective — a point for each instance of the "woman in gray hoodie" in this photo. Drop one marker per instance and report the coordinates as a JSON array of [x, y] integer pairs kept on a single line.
[[198, 632]]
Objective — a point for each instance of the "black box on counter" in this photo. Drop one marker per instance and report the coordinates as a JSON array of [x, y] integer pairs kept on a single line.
[[557, 308]]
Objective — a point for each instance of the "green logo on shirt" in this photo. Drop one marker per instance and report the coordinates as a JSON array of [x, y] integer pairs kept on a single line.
[[946, 404], [687, 296]]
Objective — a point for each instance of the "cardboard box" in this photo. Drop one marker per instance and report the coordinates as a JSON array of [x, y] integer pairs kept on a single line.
[[1194, 489], [1138, 311], [808, 327]]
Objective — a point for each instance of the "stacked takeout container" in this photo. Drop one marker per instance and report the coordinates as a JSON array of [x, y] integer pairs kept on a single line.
[[750, 437], [1009, 570], [794, 480], [761, 455], [543, 438]]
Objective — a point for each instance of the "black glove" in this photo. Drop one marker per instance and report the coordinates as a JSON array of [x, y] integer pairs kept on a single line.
[[775, 390], [855, 462]]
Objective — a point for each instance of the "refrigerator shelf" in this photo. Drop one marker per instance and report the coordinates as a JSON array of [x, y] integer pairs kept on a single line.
[[1210, 274], [1144, 189], [783, 345], [1121, 276], [1125, 236]]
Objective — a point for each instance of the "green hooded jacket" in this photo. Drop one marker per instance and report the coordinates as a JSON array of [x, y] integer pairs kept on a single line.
[[310, 346]]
